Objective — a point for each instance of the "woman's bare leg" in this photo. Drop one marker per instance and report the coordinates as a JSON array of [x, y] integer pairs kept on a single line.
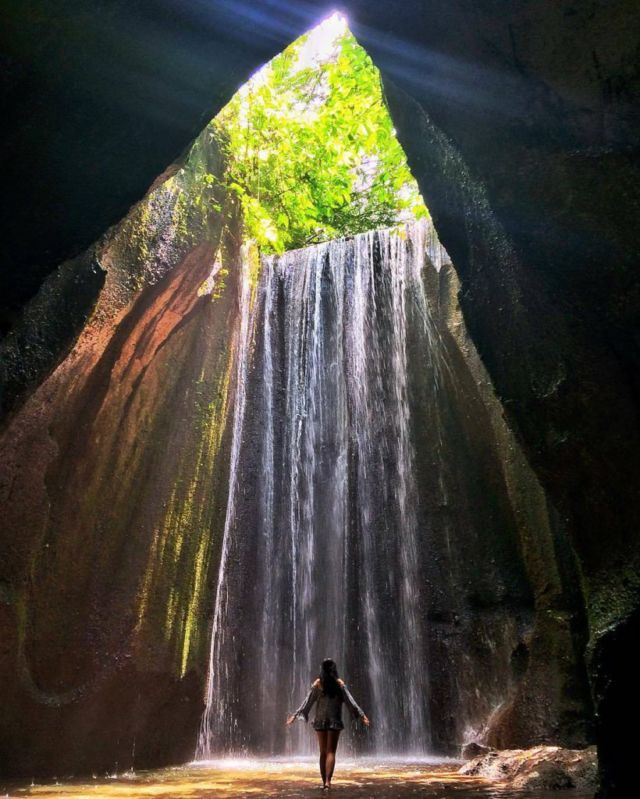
[[332, 745], [322, 743]]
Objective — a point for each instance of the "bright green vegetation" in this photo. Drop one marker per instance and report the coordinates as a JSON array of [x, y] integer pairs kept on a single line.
[[311, 149]]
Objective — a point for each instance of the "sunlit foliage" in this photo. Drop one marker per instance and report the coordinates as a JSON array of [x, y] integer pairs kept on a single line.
[[311, 149]]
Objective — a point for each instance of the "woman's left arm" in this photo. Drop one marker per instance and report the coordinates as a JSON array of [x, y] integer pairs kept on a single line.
[[355, 708]]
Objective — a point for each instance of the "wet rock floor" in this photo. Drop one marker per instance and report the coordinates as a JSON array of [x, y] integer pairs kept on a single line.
[[354, 779]]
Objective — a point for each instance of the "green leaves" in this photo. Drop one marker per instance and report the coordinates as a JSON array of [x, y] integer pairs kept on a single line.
[[311, 150]]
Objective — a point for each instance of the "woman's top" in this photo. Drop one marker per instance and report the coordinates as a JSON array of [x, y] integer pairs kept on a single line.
[[329, 707]]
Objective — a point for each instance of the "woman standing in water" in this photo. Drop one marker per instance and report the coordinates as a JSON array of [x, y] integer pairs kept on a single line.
[[329, 691]]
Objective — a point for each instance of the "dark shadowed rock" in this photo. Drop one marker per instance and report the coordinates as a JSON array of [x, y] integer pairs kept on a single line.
[[473, 750]]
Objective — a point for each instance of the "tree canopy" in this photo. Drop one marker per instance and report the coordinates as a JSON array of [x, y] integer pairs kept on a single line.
[[311, 149]]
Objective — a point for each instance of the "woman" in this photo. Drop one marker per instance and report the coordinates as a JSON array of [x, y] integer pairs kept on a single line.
[[329, 691]]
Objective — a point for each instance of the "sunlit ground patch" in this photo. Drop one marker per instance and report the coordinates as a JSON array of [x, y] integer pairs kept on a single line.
[[287, 778]]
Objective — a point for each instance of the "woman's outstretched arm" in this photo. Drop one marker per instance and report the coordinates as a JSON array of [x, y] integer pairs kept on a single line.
[[353, 706], [306, 705]]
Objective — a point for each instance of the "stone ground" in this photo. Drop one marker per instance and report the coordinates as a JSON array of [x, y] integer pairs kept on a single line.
[[290, 780]]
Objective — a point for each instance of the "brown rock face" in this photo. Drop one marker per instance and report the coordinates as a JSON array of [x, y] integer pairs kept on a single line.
[[113, 486]]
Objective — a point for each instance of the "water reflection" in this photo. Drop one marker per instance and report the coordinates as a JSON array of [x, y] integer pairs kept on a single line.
[[290, 779]]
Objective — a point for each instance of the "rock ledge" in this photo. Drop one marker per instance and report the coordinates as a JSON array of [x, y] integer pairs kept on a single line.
[[540, 768]]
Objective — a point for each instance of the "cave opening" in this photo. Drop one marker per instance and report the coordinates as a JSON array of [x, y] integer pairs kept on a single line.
[[309, 146]]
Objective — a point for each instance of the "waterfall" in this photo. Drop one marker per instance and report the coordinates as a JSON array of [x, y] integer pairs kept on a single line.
[[218, 705], [320, 556]]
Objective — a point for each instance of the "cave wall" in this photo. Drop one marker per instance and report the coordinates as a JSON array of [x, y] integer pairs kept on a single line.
[[535, 106], [115, 486], [114, 479], [520, 635], [551, 307]]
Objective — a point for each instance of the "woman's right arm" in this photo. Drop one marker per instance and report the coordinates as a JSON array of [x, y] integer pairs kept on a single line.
[[305, 707]]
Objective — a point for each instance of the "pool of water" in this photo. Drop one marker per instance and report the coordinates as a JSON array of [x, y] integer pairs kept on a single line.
[[290, 779]]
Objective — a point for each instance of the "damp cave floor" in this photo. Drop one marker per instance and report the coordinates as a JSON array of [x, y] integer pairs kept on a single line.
[[353, 779]]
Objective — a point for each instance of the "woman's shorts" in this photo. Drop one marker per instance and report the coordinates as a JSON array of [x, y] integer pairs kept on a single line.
[[327, 725]]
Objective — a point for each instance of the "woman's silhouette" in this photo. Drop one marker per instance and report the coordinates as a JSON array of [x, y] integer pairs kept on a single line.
[[329, 691]]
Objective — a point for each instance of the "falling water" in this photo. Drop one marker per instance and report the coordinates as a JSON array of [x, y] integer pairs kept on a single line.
[[218, 705], [321, 541]]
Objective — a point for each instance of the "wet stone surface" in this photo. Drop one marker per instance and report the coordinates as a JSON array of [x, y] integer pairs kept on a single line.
[[299, 779]]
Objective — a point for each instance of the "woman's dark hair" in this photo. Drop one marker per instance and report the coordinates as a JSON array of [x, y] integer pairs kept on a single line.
[[329, 677]]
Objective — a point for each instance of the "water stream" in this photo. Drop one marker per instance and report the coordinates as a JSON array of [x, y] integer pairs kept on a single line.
[[321, 541]]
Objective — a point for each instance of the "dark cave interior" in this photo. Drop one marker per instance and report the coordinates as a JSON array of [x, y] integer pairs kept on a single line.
[[519, 122]]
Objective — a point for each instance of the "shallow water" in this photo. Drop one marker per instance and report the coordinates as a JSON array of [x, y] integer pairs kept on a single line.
[[290, 779]]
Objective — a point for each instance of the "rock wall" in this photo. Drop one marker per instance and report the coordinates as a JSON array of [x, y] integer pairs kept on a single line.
[[561, 353], [115, 486], [541, 693], [113, 480]]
